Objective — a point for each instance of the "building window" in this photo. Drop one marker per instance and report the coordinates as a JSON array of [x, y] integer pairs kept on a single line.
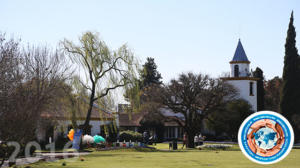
[[180, 132], [236, 70], [170, 132], [251, 89]]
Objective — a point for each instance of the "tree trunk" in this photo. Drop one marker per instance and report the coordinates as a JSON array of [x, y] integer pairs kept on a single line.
[[86, 125], [191, 136]]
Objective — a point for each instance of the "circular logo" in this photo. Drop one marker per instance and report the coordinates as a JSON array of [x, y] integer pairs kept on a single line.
[[266, 137]]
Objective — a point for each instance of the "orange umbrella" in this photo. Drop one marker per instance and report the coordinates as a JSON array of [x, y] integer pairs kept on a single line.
[[71, 134]]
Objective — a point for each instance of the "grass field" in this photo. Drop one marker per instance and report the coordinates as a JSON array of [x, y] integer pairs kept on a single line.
[[132, 158]]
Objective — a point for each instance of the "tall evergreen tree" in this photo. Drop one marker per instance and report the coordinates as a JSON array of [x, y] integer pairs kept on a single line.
[[290, 95], [149, 79], [149, 74], [258, 73]]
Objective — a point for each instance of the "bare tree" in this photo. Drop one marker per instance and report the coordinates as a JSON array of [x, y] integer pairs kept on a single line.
[[9, 79], [9, 72], [105, 70], [31, 81], [195, 96]]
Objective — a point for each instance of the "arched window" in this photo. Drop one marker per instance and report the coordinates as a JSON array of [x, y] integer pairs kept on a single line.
[[236, 70]]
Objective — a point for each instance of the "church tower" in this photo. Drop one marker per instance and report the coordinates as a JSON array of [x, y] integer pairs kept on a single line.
[[240, 77]]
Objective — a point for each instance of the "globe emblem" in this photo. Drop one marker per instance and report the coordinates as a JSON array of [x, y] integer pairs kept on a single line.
[[265, 138]]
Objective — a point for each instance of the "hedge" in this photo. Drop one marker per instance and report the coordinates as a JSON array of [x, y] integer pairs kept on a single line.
[[130, 135]]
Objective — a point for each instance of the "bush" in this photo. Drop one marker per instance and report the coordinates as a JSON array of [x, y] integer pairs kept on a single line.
[[43, 144], [61, 141], [5, 152], [130, 135]]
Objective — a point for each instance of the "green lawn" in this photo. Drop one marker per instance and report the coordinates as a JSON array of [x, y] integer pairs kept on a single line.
[[132, 158]]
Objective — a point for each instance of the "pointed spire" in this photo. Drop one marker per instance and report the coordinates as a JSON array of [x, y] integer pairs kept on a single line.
[[240, 55]]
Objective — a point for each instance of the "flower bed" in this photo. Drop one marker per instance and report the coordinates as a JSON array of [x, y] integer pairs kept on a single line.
[[215, 147]]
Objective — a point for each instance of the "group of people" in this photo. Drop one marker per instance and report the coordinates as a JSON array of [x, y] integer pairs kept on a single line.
[[198, 140], [152, 138]]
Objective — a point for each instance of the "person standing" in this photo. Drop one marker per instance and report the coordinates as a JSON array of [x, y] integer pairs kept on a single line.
[[201, 139], [185, 140], [145, 137], [154, 138], [196, 140]]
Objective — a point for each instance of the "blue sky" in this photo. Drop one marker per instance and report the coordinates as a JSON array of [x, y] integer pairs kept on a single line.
[[182, 36]]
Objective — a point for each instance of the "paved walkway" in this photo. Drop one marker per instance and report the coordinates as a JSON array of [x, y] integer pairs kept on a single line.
[[45, 157]]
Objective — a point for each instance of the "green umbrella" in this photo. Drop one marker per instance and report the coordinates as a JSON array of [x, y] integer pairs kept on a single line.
[[98, 139]]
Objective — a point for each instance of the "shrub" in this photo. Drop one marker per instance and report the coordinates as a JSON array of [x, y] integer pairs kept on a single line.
[[130, 135], [43, 144], [5, 151], [61, 141]]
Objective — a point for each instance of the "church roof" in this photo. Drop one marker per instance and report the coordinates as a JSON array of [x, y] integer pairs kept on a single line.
[[240, 55]]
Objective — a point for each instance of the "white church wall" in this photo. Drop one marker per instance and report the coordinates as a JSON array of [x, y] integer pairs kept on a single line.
[[95, 129], [96, 126], [243, 69], [243, 87]]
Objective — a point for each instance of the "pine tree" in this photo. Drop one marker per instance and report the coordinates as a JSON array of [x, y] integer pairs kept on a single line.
[[258, 73], [149, 74], [290, 95]]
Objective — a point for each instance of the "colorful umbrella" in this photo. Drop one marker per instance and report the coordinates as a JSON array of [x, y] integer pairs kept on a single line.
[[71, 134], [87, 139], [98, 139]]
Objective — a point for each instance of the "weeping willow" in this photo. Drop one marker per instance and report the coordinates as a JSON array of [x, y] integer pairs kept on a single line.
[[104, 71]]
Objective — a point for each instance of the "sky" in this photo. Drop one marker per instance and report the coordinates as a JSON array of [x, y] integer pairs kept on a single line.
[[183, 36]]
